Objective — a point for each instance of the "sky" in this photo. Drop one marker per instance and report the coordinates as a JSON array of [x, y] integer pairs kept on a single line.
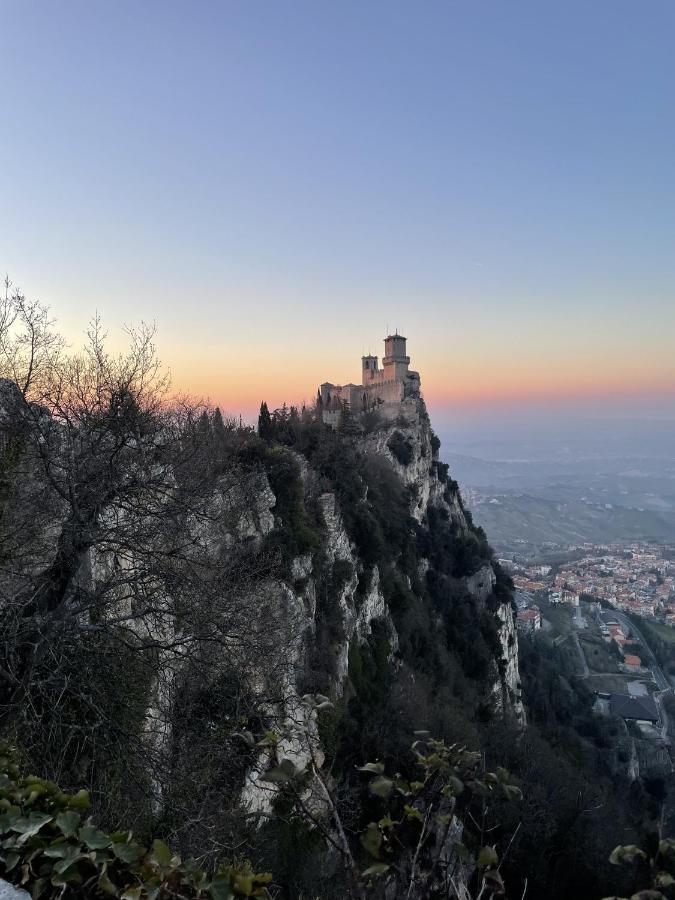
[[279, 185]]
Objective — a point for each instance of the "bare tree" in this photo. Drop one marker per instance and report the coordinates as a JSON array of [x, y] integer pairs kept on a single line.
[[124, 586]]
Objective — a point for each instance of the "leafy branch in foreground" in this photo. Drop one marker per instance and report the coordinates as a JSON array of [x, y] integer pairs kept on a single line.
[[50, 847], [416, 847], [659, 868]]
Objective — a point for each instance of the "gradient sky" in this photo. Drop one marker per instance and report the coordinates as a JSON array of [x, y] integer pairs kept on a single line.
[[279, 183]]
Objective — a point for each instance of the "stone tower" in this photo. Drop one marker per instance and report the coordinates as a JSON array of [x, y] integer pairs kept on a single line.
[[395, 361], [369, 369]]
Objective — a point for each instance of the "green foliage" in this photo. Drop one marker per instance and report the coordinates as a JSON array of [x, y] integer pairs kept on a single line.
[[297, 535], [50, 847], [655, 866], [265, 428], [401, 448], [408, 841]]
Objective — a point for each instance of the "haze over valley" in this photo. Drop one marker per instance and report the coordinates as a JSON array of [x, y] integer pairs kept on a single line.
[[566, 480]]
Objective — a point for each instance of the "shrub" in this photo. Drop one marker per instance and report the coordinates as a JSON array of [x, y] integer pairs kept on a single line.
[[298, 534], [53, 849], [401, 448]]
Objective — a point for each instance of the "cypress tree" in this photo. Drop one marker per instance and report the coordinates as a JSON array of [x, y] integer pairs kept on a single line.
[[265, 427]]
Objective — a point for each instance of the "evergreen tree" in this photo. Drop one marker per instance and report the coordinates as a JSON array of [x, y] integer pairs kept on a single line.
[[203, 427], [265, 426], [348, 424], [218, 426]]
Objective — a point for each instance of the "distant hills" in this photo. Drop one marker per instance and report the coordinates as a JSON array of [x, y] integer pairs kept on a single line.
[[547, 493]]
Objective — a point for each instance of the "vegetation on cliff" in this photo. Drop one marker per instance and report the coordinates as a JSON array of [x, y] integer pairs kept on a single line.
[[170, 589]]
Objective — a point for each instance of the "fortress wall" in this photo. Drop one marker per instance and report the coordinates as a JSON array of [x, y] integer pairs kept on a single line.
[[388, 391], [377, 377]]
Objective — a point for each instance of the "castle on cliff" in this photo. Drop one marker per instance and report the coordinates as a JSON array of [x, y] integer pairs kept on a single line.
[[379, 386]]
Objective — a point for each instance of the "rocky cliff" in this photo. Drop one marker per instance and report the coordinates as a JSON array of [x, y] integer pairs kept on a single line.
[[229, 580], [409, 449]]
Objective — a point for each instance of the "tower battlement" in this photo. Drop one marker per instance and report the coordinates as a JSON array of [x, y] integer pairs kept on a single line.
[[387, 385]]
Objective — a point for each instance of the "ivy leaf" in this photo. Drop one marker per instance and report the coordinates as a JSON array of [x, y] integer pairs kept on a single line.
[[59, 850], [376, 869], [242, 883], [161, 853], [30, 825], [38, 887], [128, 851], [67, 822], [487, 857], [626, 854], [93, 838], [64, 864], [412, 813], [381, 787], [80, 800], [376, 768], [511, 792], [11, 860], [106, 884]]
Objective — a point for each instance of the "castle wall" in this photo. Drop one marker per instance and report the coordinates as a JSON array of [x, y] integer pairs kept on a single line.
[[388, 385]]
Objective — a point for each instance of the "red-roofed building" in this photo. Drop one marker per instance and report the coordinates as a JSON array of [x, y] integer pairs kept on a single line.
[[529, 620]]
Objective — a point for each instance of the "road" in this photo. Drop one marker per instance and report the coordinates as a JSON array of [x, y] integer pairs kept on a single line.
[[582, 656]]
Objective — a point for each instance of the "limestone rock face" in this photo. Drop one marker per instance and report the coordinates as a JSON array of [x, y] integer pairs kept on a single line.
[[418, 467], [412, 429], [507, 687], [241, 513], [481, 584], [300, 742]]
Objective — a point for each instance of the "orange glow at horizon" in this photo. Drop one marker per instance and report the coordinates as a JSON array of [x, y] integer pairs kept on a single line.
[[283, 364], [242, 388]]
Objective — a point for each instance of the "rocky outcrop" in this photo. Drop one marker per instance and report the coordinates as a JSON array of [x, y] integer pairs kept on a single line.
[[299, 737], [407, 441], [481, 584], [507, 688]]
